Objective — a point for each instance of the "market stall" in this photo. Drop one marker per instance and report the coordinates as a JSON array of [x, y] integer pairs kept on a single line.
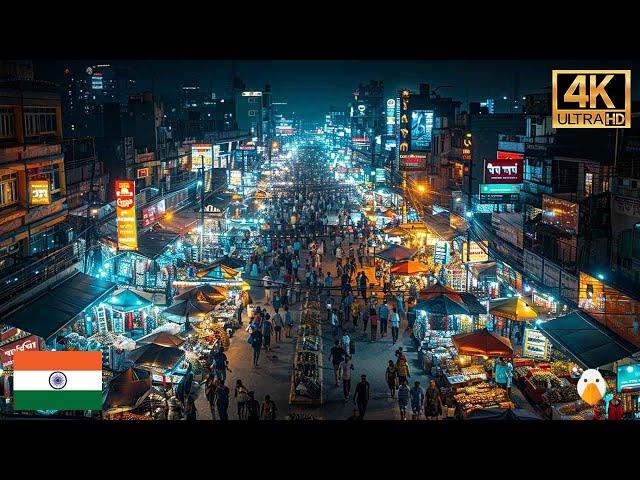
[[511, 309], [126, 311], [126, 392]]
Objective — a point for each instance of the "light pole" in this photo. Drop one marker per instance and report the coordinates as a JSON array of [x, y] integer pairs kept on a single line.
[[201, 256]]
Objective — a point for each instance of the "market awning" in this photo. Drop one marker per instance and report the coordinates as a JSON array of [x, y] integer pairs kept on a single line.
[[589, 342], [471, 302], [396, 253], [231, 262], [126, 391], [54, 309], [188, 308], [442, 305], [156, 357], [218, 272], [409, 267], [483, 342], [164, 339], [513, 308], [127, 300], [439, 289], [152, 244]]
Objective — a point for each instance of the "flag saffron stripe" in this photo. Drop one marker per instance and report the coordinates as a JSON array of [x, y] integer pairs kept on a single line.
[[57, 361], [57, 400]]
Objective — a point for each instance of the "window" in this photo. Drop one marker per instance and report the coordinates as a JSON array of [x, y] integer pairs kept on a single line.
[[252, 113], [39, 121], [588, 184], [51, 173], [8, 189], [7, 123]]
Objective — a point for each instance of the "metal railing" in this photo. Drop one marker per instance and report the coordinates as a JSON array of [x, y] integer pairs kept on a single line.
[[37, 272]]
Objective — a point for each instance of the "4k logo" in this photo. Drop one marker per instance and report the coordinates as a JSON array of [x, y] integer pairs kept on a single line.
[[591, 98]]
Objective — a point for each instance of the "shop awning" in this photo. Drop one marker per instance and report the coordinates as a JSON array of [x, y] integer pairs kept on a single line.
[[164, 339], [235, 263], [409, 267], [156, 357], [127, 300], [126, 391], [396, 253], [54, 309], [483, 342], [218, 272], [471, 302], [513, 308], [153, 243], [484, 270], [585, 339], [442, 305]]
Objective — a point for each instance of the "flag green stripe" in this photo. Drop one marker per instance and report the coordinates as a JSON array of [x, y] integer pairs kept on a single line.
[[57, 400]]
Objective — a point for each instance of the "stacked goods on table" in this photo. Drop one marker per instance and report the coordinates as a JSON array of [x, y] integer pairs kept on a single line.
[[481, 396], [306, 380], [577, 410], [561, 394], [538, 382]]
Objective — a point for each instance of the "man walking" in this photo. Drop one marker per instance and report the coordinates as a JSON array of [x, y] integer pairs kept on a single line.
[[383, 315], [361, 396], [395, 325], [417, 399], [364, 280], [345, 368], [336, 355]]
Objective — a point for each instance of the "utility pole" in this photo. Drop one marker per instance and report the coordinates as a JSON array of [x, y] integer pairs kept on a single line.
[[469, 216], [404, 197]]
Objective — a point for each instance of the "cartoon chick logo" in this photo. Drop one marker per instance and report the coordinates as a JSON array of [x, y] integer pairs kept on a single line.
[[591, 386]]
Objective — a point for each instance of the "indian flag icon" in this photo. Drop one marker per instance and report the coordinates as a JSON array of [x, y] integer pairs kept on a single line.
[[57, 381]]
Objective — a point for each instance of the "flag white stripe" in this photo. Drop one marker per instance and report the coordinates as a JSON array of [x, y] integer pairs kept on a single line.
[[39, 380]]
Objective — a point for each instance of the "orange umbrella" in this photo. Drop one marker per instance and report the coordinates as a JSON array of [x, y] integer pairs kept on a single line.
[[439, 289], [389, 214], [409, 267], [482, 342]]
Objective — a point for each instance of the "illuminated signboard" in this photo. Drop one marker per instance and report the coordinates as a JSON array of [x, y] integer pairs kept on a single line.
[[26, 344], [391, 116], [380, 175], [153, 213], [251, 94], [477, 252], [39, 193], [499, 188], [535, 344], [235, 178], [126, 215], [502, 155], [467, 147], [413, 161], [404, 121], [421, 130], [503, 172], [96, 81], [142, 173], [628, 378], [201, 153]]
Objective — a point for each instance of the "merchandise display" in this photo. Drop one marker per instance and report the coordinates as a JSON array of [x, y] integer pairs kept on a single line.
[[481, 396], [306, 380]]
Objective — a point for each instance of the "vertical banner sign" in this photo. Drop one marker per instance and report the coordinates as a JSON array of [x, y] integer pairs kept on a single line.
[[467, 151], [391, 116], [405, 126], [126, 215], [201, 153], [39, 193]]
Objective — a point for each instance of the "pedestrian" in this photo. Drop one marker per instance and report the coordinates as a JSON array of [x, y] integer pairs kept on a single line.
[[417, 399], [277, 301], [256, 343], [373, 320], [364, 280], [269, 409], [253, 408], [346, 342], [391, 376], [278, 325], [383, 315], [241, 394], [395, 325], [267, 328], [361, 396], [210, 393], [355, 313], [403, 369], [175, 410], [432, 401], [222, 401], [221, 365], [266, 282], [615, 411], [336, 355], [335, 324], [403, 399], [288, 322], [190, 410], [346, 366]]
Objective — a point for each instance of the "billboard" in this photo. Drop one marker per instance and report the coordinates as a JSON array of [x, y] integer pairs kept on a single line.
[[126, 215], [39, 193], [503, 171], [153, 213], [201, 152], [381, 176], [405, 126], [235, 178], [26, 344], [502, 155], [391, 116], [421, 130], [413, 161], [142, 173], [467, 147], [477, 253], [628, 378]]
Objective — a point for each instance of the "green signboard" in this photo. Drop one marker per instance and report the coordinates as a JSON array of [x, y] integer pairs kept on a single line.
[[499, 188], [628, 378]]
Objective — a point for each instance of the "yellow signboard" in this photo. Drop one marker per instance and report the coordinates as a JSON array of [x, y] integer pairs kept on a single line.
[[126, 215], [477, 252], [39, 193]]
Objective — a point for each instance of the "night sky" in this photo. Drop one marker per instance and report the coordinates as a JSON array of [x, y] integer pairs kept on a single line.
[[311, 86]]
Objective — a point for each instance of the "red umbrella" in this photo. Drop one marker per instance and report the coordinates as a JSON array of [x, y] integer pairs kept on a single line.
[[437, 290], [409, 267]]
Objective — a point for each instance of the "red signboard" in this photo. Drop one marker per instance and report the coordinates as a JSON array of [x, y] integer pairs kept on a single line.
[[143, 172], [503, 171], [413, 161], [7, 331], [502, 155], [26, 344], [126, 215]]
